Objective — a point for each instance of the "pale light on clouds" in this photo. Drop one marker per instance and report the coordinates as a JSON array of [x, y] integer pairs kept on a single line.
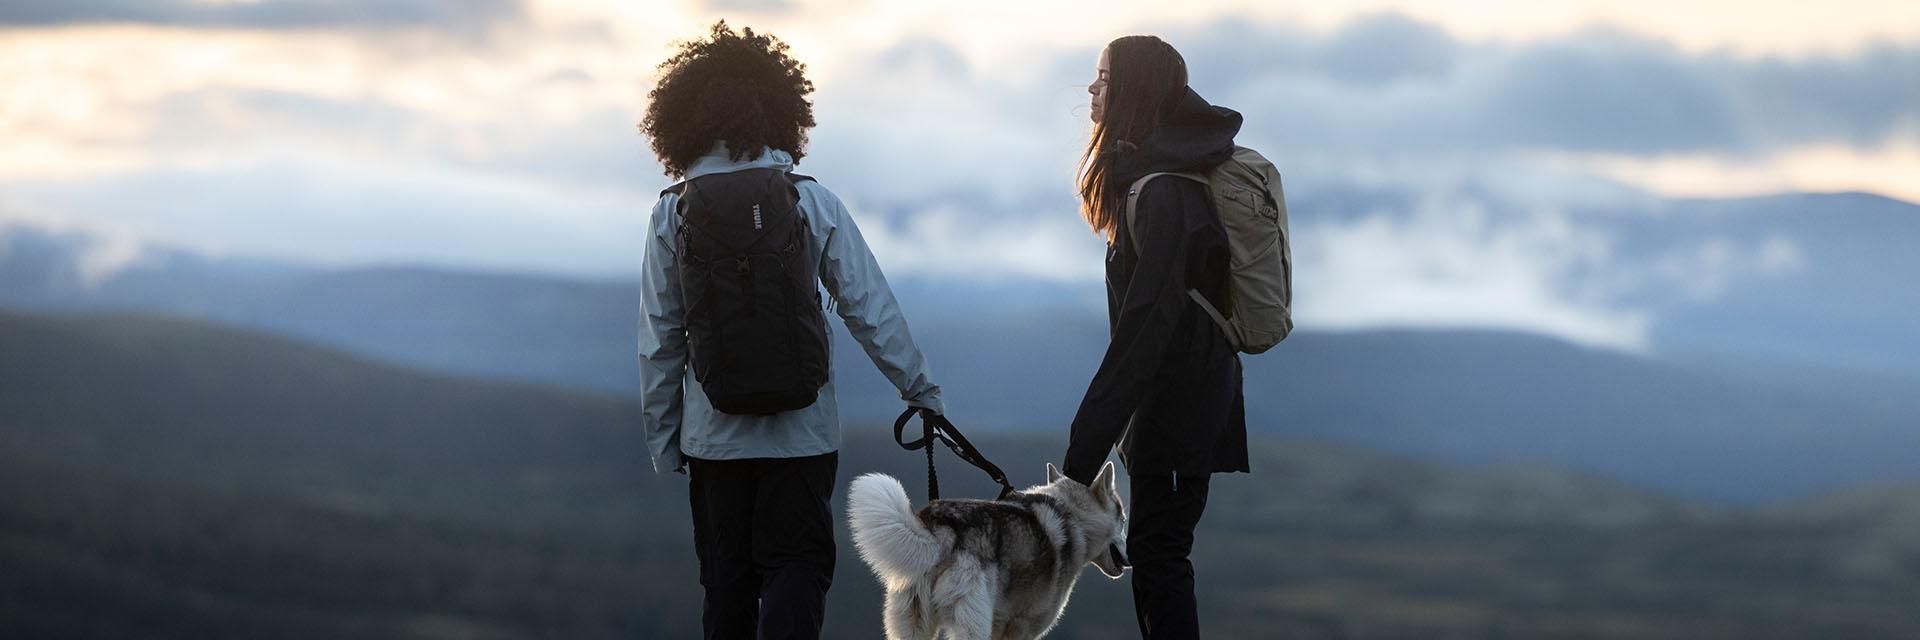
[[1892, 170], [1705, 272], [1454, 265], [951, 242], [107, 257], [339, 213], [1744, 26]]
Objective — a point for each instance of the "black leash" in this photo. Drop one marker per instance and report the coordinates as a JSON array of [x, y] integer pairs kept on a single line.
[[933, 427]]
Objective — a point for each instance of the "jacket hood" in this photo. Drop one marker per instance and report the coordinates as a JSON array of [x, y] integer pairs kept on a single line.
[[1197, 136]]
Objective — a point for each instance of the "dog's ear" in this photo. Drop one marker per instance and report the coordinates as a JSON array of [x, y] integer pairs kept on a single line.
[[1053, 474], [1103, 484]]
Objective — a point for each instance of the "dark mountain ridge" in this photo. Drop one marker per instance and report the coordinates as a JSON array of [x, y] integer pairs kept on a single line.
[[164, 478]]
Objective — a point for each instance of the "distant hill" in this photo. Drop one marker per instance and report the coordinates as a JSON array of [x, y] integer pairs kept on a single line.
[[1709, 423], [170, 479], [527, 328]]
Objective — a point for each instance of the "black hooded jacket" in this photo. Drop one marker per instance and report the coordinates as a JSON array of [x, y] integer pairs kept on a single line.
[[1168, 371]]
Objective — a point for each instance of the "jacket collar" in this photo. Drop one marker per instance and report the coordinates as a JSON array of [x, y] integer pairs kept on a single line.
[[716, 161]]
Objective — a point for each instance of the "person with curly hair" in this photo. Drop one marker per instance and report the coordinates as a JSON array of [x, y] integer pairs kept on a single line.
[[747, 413]]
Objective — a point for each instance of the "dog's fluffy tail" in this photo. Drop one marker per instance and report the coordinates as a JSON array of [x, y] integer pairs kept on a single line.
[[890, 537]]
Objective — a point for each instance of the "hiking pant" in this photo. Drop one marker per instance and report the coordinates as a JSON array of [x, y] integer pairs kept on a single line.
[[763, 529], [1159, 538]]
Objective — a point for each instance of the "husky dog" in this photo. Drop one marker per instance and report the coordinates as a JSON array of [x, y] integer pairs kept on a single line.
[[986, 569]]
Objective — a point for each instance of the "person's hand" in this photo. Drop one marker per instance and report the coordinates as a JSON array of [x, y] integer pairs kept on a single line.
[[682, 469]]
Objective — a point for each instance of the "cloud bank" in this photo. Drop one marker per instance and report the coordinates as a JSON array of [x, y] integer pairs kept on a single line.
[[1436, 181], [1386, 83]]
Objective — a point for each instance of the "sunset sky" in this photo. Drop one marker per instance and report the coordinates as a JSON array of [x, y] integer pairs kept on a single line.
[[500, 134]]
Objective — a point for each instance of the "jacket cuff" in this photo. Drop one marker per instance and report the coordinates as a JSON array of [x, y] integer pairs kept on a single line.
[[929, 400], [667, 461]]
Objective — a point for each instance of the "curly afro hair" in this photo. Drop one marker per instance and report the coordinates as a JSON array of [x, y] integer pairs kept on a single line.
[[740, 88]]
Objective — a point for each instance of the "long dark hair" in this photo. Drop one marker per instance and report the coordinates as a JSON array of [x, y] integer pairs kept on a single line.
[[740, 88], [1144, 74]]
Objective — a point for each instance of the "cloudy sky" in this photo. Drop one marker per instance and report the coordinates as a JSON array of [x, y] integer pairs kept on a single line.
[[1449, 163]]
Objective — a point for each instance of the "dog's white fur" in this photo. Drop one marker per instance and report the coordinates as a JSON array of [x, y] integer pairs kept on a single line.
[[889, 537], [936, 582]]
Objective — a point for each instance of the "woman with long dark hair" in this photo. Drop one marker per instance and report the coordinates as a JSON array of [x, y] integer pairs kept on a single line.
[[1168, 390]]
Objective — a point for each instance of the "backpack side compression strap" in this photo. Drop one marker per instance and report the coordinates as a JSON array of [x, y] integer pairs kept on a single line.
[[1212, 312]]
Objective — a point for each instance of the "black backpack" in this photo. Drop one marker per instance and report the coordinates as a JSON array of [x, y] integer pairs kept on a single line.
[[755, 327]]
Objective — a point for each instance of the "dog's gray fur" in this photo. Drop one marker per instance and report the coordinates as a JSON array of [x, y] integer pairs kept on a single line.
[[980, 569]]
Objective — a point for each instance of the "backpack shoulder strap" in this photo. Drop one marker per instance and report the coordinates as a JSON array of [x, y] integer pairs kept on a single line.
[[1133, 200]]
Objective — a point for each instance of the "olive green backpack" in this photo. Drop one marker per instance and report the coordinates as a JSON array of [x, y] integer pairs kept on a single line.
[[1247, 196]]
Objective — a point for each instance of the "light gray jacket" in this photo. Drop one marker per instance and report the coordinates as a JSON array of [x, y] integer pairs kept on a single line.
[[681, 421]]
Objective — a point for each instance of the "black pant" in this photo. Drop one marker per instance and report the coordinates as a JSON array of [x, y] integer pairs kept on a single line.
[[763, 528], [1159, 538]]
